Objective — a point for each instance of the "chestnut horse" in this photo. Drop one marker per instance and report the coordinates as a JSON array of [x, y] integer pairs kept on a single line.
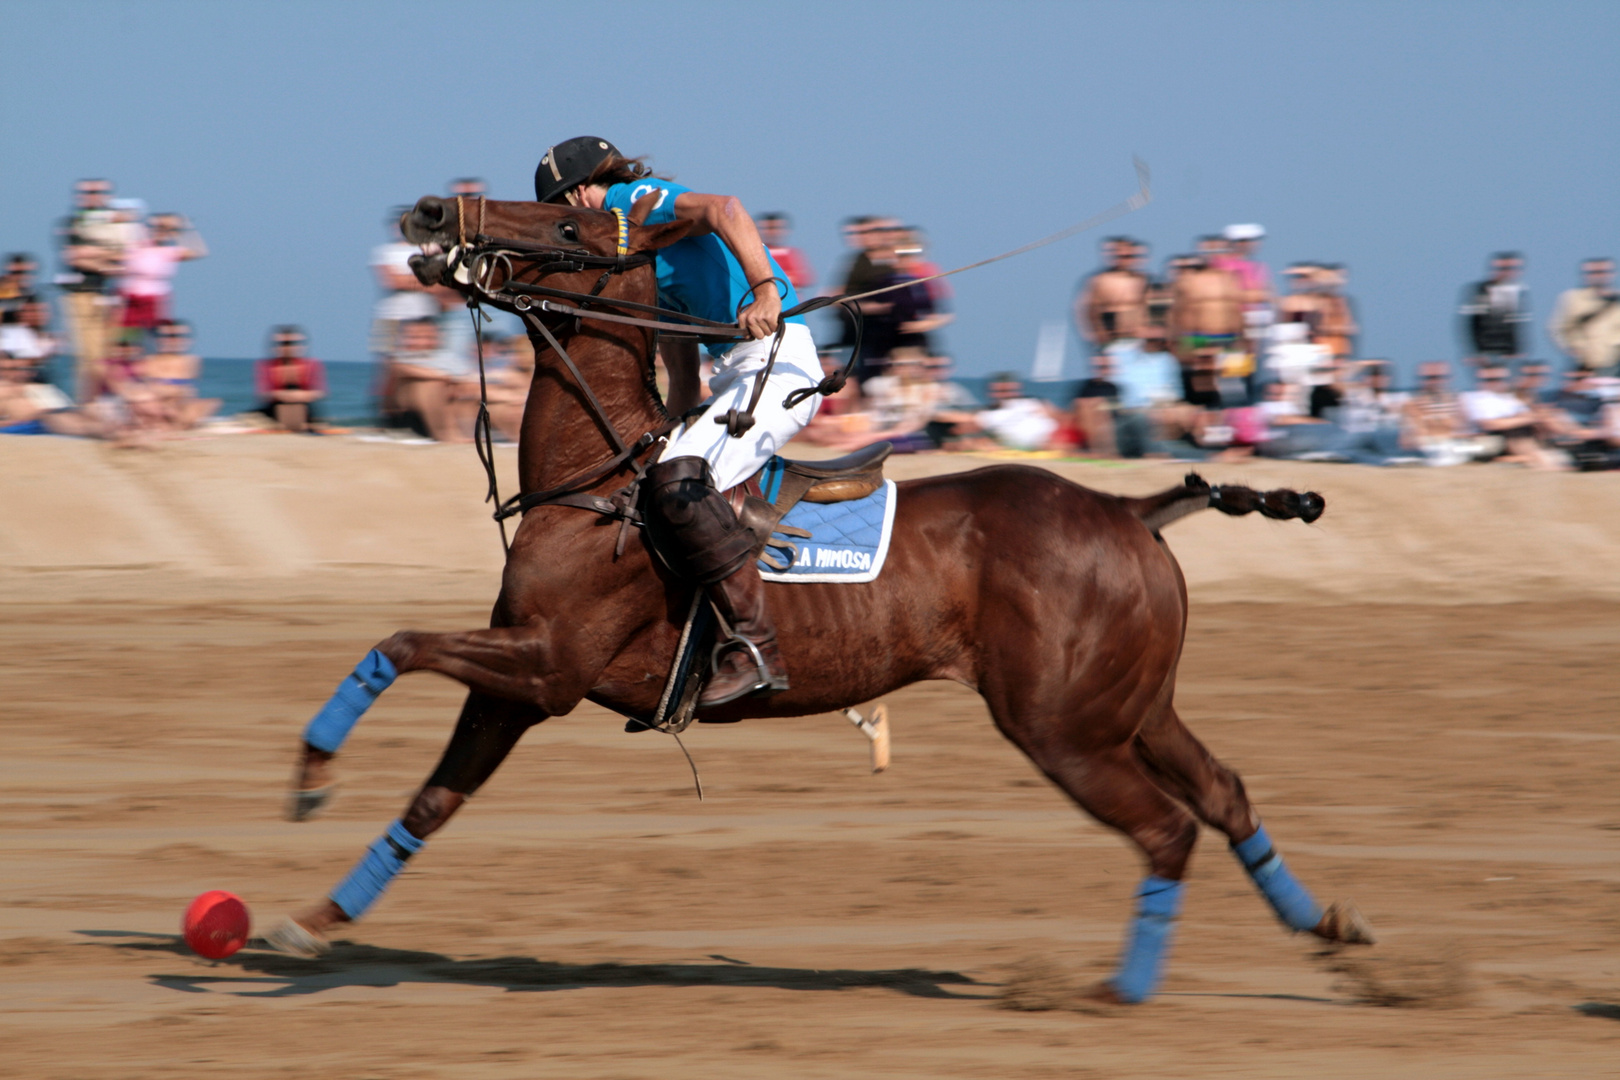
[[1061, 606]]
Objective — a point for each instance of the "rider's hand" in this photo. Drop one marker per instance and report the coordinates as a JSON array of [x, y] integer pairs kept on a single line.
[[759, 318]]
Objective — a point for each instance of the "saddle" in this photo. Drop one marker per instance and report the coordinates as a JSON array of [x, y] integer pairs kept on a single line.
[[764, 499]]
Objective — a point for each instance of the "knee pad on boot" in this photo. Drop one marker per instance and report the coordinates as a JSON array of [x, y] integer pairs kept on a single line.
[[692, 525]]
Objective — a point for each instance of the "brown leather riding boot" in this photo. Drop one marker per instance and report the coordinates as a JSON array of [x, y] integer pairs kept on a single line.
[[750, 663]]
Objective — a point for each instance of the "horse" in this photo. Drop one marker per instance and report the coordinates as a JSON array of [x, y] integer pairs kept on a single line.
[[1062, 607]]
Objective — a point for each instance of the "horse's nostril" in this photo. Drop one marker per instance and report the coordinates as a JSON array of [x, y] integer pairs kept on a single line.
[[429, 212]]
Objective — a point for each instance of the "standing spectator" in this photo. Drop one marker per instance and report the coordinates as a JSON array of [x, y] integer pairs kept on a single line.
[[92, 257], [875, 268], [774, 229], [1493, 311], [1434, 423], [1242, 261], [1586, 322], [149, 269], [290, 382], [1206, 319], [919, 309], [1337, 329], [402, 299], [1112, 305]]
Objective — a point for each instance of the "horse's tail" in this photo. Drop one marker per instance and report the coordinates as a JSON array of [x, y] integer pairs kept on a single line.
[[1195, 493]]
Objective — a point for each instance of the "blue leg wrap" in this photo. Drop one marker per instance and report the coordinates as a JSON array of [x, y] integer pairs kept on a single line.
[[354, 696], [1288, 898], [381, 863], [1157, 902]]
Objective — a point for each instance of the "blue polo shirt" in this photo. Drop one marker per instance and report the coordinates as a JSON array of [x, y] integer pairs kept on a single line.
[[697, 275]]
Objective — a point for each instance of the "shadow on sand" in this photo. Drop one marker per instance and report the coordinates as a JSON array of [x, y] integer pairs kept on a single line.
[[264, 973]]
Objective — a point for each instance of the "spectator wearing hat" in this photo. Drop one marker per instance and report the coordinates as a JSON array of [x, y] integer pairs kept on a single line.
[[149, 269]]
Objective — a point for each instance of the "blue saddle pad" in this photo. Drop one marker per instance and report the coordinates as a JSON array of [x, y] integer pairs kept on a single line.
[[848, 540]]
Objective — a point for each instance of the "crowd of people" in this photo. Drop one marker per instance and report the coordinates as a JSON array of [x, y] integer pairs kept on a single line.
[[1206, 359]]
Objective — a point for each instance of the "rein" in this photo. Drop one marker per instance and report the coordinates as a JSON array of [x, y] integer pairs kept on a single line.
[[476, 259]]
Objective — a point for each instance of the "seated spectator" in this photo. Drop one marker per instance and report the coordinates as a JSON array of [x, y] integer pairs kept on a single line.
[[953, 406], [509, 369], [17, 283], [291, 383], [34, 408], [436, 391], [25, 335], [1095, 400], [171, 375], [1493, 410], [1575, 420], [840, 415], [1014, 420], [1434, 421], [899, 405]]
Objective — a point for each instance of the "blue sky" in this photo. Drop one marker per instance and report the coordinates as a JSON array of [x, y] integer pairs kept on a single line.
[[1407, 140]]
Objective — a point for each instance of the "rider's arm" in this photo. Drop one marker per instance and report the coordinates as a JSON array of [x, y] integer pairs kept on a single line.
[[724, 215]]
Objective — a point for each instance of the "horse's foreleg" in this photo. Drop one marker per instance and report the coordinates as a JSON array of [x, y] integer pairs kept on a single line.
[[1175, 759], [502, 662], [1111, 786], [485, 734]]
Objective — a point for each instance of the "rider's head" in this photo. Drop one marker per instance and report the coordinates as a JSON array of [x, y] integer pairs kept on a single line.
[[569, 167]]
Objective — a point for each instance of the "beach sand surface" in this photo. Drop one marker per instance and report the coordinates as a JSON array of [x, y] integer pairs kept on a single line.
[[1419, 691]]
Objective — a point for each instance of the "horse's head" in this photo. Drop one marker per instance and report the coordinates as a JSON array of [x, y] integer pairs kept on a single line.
[[487, 243]]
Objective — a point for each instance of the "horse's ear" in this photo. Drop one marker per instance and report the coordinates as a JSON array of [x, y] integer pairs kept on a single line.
[[644, 206], [653, 237]]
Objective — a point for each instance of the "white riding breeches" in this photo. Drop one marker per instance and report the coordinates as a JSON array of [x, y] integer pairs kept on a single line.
[[731, 461]]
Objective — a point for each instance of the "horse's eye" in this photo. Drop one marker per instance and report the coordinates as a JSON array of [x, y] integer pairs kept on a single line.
[[568, 231]]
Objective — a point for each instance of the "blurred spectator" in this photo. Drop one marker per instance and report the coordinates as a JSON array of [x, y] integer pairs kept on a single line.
[[35, 408], [149, 269], [25, 334], [1095, 400], [171, 375], [17, 284], [436, 390], [919, 309], [1160, 293], [1206, 319], [1336, 329], [509, 369], [468, 187], [1242, 261], [1586, 322], [1014, 420], [92, 257], [774, 229], [402, 299], [1493, 310], [1112, 305], [290, 382], [1434, 420], [1493, 410], [899, 405], [873, 268], [953, 406]]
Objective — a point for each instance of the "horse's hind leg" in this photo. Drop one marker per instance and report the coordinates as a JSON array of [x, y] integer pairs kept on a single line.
[[1181, 764], [486, 732]]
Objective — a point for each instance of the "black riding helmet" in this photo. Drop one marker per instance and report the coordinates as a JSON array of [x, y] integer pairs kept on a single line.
[[569, 164]]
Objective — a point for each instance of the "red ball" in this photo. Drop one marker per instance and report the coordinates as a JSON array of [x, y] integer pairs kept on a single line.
[[216, 924]]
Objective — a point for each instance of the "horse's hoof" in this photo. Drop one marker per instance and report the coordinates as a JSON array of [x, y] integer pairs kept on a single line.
[[1341, 922], [303, 805], [290, 938]]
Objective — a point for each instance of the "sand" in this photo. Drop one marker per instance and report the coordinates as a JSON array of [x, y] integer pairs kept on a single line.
[[1420, 693]]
